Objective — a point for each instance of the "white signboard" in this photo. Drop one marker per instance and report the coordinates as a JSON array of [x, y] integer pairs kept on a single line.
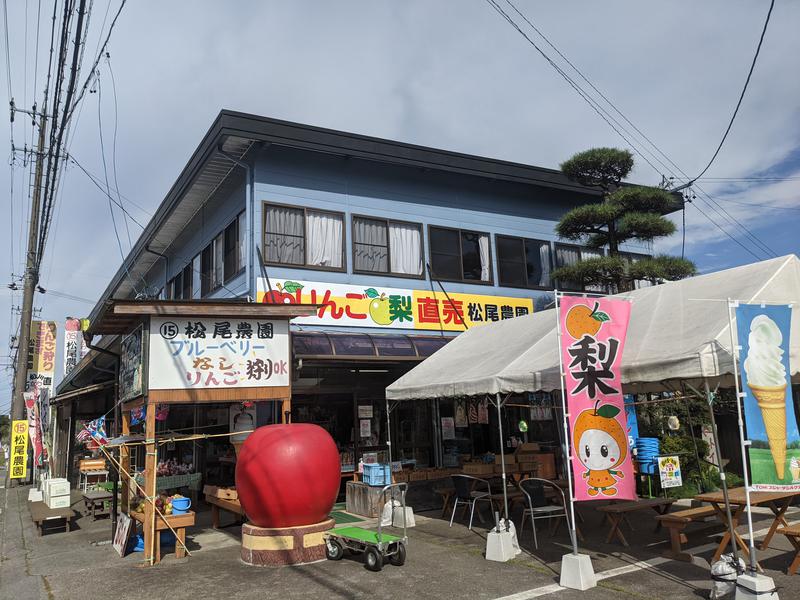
[[187, 353], [669, 467]]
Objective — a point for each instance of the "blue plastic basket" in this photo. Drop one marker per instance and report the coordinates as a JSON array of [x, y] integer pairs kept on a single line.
[[377, 474]]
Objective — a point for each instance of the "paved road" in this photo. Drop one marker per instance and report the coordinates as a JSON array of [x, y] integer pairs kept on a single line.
[[443, 563]]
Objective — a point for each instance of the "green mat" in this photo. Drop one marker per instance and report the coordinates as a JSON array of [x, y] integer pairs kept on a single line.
[[364, 535], [342, 517]]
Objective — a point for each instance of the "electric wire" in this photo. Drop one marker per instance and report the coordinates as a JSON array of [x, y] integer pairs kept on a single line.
[[744, 90], [708, 200], [105, 192]]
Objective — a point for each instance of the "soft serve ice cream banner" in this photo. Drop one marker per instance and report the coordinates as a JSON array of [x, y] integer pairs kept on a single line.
[[772, 428], [592, 339]]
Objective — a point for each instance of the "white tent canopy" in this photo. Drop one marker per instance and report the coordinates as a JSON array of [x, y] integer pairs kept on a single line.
[[679, 331]]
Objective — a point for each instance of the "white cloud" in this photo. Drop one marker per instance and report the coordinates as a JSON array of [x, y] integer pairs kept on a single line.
[[443, 73]]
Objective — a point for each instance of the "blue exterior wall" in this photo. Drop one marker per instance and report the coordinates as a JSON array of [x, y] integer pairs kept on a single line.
[[355, 186]]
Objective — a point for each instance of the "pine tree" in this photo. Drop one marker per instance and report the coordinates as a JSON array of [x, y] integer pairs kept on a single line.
[[626, 213]]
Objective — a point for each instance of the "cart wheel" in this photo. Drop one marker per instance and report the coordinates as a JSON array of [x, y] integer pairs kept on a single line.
[[399, 558], [334, 550], [374, 559]]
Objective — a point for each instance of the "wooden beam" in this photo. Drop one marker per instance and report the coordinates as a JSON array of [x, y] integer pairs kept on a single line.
[[125, 463], [215, 309], [235, 394], [150, 483]]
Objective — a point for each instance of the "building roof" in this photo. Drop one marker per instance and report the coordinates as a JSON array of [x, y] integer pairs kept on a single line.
[[208, 171]]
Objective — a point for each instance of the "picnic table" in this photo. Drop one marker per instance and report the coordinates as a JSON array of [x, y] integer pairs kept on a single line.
[[230, 505], [41, 514], [95, 502], [777, 502], [617, 511]]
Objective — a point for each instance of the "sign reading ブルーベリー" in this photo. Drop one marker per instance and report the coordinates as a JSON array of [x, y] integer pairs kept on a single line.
[[392, 308], [217, 353], [592, 339], [774, 453]]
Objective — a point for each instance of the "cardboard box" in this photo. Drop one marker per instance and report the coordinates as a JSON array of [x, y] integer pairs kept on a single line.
[[58, 502], [529, 467], [478, 469], [510, 459], [221, 492], [56, 487], [418, 475]]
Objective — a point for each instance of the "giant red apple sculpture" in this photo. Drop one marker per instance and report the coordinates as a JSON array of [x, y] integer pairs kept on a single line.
[[288, 475]]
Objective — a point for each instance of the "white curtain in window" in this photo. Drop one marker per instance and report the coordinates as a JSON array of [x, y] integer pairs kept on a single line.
[[483, 246], [324, 239], [284, 238], [544, 261], [592, 253], [241, 237], [219, 259], [405, 242], [197, 277], [371, 246]]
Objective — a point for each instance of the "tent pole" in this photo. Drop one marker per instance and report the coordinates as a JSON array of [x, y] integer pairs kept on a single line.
[[502, 459], [567, 457], [731, 529], [389, 434], [742, 442]]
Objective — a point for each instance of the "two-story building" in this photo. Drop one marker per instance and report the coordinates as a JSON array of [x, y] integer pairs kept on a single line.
[[402, 246]]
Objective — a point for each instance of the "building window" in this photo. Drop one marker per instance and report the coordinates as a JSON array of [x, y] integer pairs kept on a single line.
[[196, 278], [384, 246], [632, 257], [566, 255], [234, 248], [459, 255], [523, 262], [304, 237], [176, 287], [186, 294]]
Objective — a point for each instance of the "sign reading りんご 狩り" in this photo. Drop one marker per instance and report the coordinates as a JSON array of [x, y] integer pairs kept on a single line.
[[592, 339], [209, 353]]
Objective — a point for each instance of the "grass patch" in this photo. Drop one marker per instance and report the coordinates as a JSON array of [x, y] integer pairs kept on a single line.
[[763, 467]]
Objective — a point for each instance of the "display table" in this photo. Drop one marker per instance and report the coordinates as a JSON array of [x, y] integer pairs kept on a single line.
[[178, 522], [226, 504], [41, 514], [95, 502], [174, 482]]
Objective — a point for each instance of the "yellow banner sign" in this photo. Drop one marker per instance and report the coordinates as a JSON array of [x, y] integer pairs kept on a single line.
[[393, 308], [19, 450]]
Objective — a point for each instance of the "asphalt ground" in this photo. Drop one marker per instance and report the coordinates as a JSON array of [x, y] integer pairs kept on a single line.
[[442, 562]]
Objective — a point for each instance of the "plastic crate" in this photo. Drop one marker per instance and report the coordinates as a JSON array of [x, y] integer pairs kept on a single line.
[[377, 474]]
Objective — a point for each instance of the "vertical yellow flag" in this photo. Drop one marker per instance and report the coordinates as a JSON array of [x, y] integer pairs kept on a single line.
[[19, 449]]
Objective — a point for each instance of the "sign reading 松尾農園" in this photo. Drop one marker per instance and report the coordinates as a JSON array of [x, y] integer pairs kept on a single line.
[[217, 353]]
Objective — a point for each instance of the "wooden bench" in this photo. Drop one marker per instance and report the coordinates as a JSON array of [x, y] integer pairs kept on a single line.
[[41, 513], [178, 522], [617, 512], [677, 522], [792, 534], [447, 494]]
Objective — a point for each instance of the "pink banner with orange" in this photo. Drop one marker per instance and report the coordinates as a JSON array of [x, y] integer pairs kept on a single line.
[[592, 340]]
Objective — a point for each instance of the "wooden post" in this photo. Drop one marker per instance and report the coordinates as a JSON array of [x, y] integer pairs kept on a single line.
[[125, 462], [286, 410], [150, 483]]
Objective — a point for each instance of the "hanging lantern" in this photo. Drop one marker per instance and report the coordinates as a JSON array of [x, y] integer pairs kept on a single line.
[[673, 423]]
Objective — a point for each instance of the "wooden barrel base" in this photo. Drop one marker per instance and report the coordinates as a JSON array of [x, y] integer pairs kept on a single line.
[[281, 546]]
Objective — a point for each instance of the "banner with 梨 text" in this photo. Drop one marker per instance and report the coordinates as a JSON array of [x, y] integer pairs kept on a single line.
[[592, 340]]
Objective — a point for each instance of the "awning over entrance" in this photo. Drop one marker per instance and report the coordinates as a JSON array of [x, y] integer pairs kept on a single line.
[[89, 389], [320, 345]]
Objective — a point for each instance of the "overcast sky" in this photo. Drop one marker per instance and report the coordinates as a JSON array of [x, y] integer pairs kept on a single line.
[[450, 74]]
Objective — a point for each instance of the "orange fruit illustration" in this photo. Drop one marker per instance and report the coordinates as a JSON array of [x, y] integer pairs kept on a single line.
[[582, 320]]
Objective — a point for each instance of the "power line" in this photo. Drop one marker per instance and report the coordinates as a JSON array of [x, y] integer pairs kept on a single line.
[[718, 208], [93, 179], [744, 89]]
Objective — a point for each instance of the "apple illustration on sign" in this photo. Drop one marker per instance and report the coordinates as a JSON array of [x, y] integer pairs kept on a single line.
[[378, 307], [282, 294]]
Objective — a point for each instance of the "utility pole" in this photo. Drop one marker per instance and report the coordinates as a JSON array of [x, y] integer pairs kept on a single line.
[[30, 281]]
